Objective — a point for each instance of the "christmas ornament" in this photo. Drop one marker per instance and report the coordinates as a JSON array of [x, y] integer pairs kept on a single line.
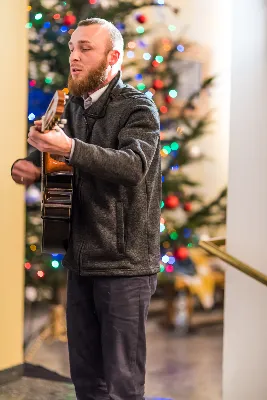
[[69, 20], [163, 109], [141, 18], [168, 99], [181, 253], [187, 206], [158, 84], [171, 201]]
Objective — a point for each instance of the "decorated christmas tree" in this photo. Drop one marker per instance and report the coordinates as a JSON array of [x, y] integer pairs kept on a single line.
[[151, 57]]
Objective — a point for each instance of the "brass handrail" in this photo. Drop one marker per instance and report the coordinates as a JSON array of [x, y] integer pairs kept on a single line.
[[212, 247]]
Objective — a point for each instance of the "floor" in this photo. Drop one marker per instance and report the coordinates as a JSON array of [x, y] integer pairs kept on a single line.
[[178, 368]]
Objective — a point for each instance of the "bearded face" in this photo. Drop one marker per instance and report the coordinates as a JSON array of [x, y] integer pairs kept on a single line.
[[81, 81]]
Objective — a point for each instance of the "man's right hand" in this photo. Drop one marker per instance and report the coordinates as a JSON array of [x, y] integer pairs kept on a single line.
[[25, 172]]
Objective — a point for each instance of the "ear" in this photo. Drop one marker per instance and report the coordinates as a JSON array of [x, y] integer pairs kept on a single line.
[[113, 57]]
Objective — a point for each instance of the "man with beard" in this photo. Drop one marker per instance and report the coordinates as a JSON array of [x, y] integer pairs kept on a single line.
[[111, 139]]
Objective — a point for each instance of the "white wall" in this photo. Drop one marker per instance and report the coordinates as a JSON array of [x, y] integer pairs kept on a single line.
[[245, 345], [207, 22]]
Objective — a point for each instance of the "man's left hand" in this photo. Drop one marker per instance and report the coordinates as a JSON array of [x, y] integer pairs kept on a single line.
[[54, 141]]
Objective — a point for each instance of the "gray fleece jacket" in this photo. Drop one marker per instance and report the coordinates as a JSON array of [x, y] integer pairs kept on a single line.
[[116, 185]]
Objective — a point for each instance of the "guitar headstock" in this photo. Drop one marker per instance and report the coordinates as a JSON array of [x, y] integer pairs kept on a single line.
[[54, 111]]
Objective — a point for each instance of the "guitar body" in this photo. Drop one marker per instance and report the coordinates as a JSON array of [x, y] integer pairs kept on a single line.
[[56, 180]]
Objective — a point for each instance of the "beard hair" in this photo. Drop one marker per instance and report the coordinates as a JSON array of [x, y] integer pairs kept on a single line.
[[92, 81]]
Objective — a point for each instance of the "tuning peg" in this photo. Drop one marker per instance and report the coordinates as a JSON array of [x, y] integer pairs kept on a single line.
[[63, 121]]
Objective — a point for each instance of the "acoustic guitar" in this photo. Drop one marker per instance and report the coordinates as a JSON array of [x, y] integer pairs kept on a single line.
[[56, 186]]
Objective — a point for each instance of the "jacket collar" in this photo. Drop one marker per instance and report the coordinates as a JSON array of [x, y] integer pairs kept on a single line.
[[98, 108]]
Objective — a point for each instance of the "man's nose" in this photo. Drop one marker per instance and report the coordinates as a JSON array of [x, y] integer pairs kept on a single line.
[[74, 56]]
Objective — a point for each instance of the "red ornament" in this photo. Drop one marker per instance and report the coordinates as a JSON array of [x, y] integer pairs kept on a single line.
[[141, 18], [188, 206], [158, 84], [163, 109], [171, 201], [181, 253], [155, 63], [168, 99], [69, 20]]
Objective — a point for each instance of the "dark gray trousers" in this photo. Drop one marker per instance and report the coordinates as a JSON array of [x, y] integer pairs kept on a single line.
[[106, 335]]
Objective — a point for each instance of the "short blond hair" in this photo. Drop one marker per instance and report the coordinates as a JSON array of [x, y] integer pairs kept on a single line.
[[116, 39]]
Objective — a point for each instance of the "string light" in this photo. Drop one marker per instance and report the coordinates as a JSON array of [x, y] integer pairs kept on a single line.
[[172, 28], [167, 149], [169, 268], [55, 264], [138, 77], [130, 54], [149, 94], [173, 93], [174, 235], [48, 80], [165, 259], [38, 16], [31, 117], [131, 45], [163, 153], [175, 146], [141, 86], [146, 56], [152, 90], [41, 274], [180, 48], [140, 29], [159, 59]]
